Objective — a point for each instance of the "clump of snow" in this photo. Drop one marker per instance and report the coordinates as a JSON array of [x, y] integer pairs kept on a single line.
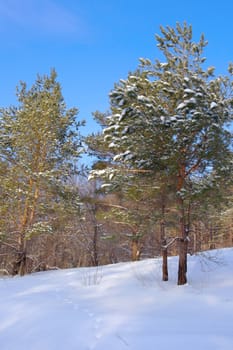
[[189, 91], [181, 105], [213, 105], [122, 306], [112, 145]]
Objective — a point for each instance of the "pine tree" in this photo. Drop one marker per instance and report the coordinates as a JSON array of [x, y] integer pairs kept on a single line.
[[39, 146], [171, 118]]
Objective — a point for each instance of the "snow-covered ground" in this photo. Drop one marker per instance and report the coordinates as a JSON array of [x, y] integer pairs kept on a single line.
[[122, 306]]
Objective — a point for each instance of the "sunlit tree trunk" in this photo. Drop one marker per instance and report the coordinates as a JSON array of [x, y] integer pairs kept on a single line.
[[135, 250]]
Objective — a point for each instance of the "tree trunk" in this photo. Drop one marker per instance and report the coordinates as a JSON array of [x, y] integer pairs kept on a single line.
[[164, 248], [165, 265], [135, 250], [23, 264], [95, 246], [183, 241], [20, 266], [182, 269], [183, 251]]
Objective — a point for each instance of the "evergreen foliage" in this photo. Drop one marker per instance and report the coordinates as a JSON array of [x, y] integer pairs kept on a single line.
[[162, 176], [39, 146], [171, 118]]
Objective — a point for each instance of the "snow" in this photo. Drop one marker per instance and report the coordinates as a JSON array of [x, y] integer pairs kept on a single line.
[[181, 106], [184, 104], [127, 155], [121, 306], [213, 105], [189, 91], [163, 65], [105, 185], [142, 98], [112, 145]]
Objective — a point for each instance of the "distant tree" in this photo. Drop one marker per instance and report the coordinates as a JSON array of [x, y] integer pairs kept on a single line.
[[39, 149], [170, 118]]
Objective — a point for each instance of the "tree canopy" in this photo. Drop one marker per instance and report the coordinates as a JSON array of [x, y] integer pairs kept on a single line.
[[172, 118], [39, 146]]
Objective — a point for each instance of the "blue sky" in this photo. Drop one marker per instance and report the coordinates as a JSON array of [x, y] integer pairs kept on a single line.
[[94, 43]]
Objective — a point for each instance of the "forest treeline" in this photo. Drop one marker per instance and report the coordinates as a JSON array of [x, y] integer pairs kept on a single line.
[[161, 180]]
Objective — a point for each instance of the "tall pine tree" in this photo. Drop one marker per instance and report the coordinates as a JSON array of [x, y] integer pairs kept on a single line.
[[171, 118], [39, 146]]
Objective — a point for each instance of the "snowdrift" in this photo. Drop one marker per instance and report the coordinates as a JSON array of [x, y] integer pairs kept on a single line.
[[122, 306]]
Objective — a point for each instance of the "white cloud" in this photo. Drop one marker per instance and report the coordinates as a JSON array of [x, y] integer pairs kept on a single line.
[[43, 16]]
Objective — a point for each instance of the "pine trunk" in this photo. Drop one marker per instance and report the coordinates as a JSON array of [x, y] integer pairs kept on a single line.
[[135, 250], [183, 241], [23, 264], [183, 251], [182, 269], [165, 265], [95, 246], [20, 266], [164, 248]]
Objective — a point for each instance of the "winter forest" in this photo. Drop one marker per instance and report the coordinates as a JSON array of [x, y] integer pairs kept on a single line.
[[158, 182]]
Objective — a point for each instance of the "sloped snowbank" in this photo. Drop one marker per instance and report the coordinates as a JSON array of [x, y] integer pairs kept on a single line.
[[122, 306]]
